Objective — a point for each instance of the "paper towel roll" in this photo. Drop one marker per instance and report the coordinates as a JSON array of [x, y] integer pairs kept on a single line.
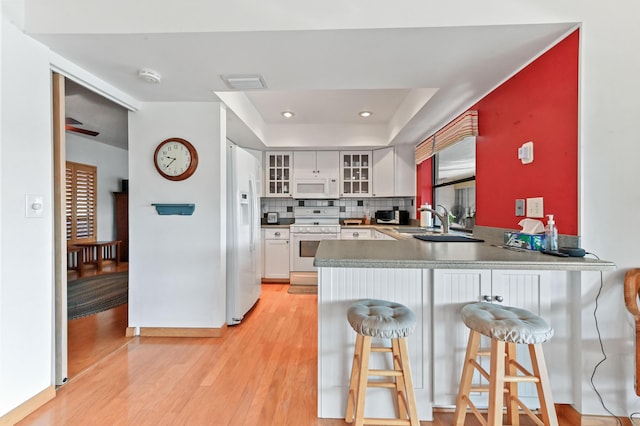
[[425, 216]]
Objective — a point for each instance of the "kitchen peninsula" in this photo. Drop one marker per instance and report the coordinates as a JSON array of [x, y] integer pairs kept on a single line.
[[435, 279]]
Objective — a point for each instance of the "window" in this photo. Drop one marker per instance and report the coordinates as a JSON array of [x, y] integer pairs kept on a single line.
[[454, 182], [81, 202]]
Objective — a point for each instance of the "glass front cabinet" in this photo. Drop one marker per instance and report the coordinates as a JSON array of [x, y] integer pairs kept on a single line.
[[355, 173], [278, 174]]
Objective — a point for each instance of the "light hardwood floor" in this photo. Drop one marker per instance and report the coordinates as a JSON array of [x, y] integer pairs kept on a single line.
[[263, 372], [93, 337]]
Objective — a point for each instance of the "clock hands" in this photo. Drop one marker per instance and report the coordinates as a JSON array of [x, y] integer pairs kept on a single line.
[[172, 160]]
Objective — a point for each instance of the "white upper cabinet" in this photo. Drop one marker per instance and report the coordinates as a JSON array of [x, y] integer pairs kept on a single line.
[[310, 164], [355, 173], [405, 170], [278, 171], [383, 172], [394, 172]]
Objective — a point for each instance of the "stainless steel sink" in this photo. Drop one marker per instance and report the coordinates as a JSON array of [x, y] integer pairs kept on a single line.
[[448, 238], [414, 230]]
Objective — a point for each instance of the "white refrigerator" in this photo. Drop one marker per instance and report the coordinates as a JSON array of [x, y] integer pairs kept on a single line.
[[244, 243]]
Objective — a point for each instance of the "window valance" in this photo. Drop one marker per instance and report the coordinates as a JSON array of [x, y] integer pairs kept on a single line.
[[463, 126]]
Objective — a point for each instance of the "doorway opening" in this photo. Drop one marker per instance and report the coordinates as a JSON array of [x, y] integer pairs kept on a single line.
[[91, 130]]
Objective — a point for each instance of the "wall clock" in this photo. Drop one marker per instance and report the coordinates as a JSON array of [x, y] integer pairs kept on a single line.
[[175, 159]]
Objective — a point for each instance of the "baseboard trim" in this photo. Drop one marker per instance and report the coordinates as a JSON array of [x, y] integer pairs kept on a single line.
[[275, 281], [130, 332], [567, 414], [28, 407], [182, 332]]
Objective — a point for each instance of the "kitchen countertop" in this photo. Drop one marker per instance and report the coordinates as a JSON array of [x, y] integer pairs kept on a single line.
[[412, 253], [387, 229], [274, 225]]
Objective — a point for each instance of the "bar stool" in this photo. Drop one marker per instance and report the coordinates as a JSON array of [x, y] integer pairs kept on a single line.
[[506, 326], [380, 318]]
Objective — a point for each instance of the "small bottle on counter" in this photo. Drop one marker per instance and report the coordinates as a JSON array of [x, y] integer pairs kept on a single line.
[[551, 234]]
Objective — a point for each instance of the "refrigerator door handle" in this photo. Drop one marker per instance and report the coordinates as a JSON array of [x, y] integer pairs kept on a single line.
[[253, 214]]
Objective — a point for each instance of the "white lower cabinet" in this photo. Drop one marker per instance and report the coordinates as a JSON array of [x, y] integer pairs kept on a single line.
[[452, 289], [337, 289], [276, 253], [356, 234], [377, 235]]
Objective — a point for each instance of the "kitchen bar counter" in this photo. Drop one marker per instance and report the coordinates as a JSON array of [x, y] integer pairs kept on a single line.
[[413, 253], [435, 279]]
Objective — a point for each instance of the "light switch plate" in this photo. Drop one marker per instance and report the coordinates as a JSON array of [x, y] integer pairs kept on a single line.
[[520, 207], [33, 205], [535, 207]]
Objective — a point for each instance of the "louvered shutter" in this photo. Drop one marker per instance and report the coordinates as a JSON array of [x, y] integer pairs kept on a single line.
[[81, 201]]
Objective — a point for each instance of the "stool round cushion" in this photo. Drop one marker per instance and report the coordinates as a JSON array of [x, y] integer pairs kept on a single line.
[[506, 323], [381, 318]]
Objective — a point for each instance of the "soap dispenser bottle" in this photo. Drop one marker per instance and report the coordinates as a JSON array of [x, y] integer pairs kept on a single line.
[[551, 234]]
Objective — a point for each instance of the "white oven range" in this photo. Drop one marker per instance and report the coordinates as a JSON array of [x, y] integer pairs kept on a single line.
[[312, 225]]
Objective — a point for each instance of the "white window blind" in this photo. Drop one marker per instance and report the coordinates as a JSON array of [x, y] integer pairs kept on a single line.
[[81, 201], [463, 126]]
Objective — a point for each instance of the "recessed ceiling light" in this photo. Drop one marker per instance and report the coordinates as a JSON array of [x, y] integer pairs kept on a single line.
[[365, 114], [287, 114], [150, 76], [244, 82]]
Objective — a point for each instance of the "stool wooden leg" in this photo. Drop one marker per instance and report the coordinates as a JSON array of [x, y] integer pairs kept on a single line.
[[496, 382], [400, 383], [467, 378], [363, 378], [544, 387], [355, 372], [513, 417], [410, 397]]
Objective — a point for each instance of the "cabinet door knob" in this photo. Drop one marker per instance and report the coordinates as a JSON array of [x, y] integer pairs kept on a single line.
[[486, 298], [277, 234], [355, 234], [498, 298]]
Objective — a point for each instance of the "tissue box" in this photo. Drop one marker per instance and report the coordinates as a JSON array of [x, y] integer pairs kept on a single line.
[[525, 241]]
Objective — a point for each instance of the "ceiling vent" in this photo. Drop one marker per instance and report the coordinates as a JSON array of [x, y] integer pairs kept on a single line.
[[150, 76], [244, 82]]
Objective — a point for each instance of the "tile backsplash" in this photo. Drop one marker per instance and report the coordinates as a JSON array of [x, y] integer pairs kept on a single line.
[[350, 208]]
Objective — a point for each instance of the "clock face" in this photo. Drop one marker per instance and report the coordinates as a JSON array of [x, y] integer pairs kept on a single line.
[[176, 159]]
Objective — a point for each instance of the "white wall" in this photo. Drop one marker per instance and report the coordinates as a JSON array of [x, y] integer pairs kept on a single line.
[[177, 270], [111, 163], [609, 194], [26, 245]]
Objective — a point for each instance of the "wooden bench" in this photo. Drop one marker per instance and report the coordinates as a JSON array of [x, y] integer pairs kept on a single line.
[[75, 261], [96, 252]]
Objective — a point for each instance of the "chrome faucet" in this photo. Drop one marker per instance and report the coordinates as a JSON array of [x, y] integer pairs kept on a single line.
[[444, 217]]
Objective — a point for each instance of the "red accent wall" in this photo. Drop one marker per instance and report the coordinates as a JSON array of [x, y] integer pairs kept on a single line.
[[538, 104], [424, 177]]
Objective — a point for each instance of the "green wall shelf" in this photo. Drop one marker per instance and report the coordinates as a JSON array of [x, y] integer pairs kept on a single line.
[[177, 209]]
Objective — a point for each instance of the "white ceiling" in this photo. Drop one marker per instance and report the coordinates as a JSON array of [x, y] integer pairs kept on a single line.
[[414, 80], [96, 113]]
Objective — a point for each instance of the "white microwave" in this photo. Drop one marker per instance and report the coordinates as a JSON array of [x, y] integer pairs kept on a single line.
[[315, 188]]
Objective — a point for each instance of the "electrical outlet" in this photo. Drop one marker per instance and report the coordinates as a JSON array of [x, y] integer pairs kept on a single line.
[[535, 207], [520, 207]]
